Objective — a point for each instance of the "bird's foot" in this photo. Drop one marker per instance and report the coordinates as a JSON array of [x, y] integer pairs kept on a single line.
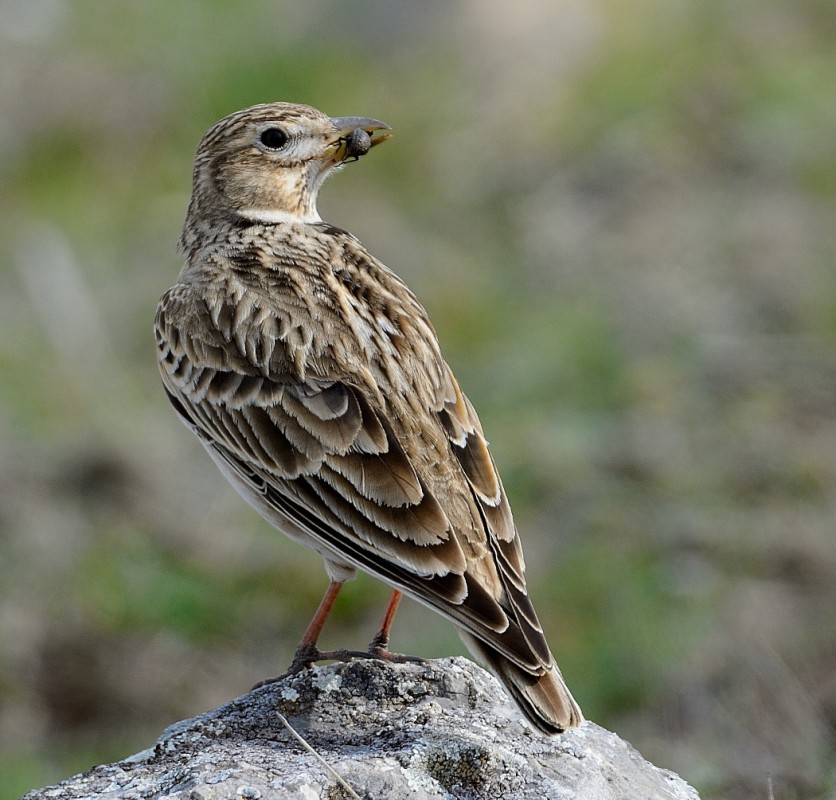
[[379, 648], [308, 654], [376, 652], [305, 655]]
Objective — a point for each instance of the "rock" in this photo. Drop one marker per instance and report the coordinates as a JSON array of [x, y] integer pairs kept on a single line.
[[440, 729]]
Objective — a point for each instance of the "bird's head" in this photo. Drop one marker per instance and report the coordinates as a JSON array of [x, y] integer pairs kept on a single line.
[[266, 163]]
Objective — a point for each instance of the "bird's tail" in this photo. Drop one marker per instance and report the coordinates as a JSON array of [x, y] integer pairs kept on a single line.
[[542, 697]]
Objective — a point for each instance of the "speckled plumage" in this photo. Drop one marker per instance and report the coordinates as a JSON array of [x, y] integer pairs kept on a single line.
[[314, 379]]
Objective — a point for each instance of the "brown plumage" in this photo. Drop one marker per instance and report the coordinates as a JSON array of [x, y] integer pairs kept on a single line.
[[314, 379]]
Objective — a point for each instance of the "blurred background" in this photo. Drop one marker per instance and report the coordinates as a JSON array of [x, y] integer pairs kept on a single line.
[[620, 216]]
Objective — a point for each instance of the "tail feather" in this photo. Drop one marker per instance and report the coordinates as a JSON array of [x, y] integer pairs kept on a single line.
[[543, 697]]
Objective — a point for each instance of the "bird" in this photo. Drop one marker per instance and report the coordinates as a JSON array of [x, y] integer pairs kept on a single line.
[[314, 378]]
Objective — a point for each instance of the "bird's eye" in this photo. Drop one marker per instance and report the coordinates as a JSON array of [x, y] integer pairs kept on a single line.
[[274, 138]]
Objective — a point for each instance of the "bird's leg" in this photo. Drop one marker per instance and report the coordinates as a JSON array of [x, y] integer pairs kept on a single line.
[[380, 643], [307, 652], [379, 646]]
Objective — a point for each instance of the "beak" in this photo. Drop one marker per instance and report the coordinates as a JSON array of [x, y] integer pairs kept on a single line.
[[356, 136]]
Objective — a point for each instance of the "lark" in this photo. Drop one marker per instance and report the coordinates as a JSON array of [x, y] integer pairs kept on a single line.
[[314, 379]]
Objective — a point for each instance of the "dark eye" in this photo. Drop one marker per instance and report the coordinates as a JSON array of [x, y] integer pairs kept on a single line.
[[274, 138]]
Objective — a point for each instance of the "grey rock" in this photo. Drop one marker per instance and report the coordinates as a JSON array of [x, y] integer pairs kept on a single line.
[[440, 729]]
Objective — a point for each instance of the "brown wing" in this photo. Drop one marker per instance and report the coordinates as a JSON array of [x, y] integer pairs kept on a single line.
[[330, 458]]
